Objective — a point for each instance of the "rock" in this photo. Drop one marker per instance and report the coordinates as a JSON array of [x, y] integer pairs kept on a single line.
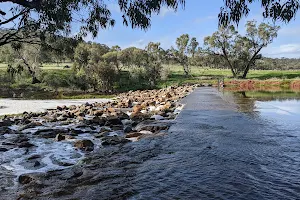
[[30, 125], [98, 120], [127, 129], [113, 121], [49, 133], [117, 127], [86, 145], [25, 179], [123, 116], [137, 108], [133, 135], [36, 164], [34, 157], [104, 129], [25, 145], [157, 117], [127, 122], [153, 126], [6, 122], [114, 140], [59, 137], [2, 149]]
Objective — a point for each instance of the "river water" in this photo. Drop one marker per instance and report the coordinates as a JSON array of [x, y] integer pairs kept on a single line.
[[16, 106], [227, 146], [224, 145]]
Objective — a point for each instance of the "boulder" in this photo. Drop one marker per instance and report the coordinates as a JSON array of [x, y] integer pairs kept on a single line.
[[25, 179], [153, 126], [86, 145], [59, 137], [133, 135], [113, 140]]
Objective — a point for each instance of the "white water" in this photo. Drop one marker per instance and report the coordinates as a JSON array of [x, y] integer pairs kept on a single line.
[[13, 106]]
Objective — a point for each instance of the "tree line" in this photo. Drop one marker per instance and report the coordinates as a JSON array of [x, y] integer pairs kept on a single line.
[[99, 67]]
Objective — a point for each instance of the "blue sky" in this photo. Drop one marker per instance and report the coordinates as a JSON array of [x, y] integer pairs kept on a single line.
[[198, 19]]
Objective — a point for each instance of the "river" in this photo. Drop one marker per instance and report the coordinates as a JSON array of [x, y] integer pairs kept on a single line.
[[224, 145], [16, 106]]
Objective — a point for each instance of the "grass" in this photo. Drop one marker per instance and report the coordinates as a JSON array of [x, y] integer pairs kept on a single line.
[[176, 77]]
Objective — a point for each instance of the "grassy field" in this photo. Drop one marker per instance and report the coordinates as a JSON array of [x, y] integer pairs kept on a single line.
[[176, 77]]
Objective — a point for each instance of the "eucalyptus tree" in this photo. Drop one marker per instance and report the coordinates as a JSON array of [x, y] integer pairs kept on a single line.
[[185, 47], [153, 65], [192, 48], [277, 10], [113, 57], [180, 54], [27, 21], [240, 52], [27, 56]]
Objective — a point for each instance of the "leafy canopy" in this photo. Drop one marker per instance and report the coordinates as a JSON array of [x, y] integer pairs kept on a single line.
[[278, 10], [27, 19], [240, 52]]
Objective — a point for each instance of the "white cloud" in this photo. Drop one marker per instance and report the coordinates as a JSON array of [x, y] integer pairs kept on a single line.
[[285, 50]]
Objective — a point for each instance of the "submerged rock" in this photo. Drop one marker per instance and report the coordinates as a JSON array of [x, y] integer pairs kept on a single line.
[[113, 140], [25, 179], [86, 145]]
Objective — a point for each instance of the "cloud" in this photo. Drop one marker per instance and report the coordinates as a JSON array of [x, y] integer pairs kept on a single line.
[[285, 50]]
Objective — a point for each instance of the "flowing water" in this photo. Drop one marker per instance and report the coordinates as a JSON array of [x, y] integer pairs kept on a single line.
[[227, 146], [224, 145]]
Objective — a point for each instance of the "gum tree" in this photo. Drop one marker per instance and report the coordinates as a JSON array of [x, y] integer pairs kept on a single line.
[[277, 10], [240, 52], [27, 21]]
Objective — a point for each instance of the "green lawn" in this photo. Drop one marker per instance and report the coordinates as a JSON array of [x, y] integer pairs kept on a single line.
[[177, 72]]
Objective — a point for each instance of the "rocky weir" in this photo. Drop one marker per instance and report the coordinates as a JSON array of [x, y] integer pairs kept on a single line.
[[41, 153]]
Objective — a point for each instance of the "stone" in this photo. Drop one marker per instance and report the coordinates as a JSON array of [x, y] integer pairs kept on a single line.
[[113, 140], [25, 179], [113, 121], [133, 135], [25, 145], [157, 117], [86, 145], [104, 129], [2, 149], [127, 129], [59, 137], [36, 164], [137, 108], [153, 126], [34, 157]]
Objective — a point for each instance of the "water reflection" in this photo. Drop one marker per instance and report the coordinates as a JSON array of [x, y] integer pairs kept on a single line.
[[278, 108]]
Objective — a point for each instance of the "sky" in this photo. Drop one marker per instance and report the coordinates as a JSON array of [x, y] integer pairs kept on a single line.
[[199, 20]]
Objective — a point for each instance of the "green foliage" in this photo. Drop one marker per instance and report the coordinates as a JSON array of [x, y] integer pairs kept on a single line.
[[25, 20], [241, 52], [234, 10]]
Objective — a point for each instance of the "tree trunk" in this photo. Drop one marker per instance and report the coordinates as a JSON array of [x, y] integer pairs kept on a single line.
[[252, 60]]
